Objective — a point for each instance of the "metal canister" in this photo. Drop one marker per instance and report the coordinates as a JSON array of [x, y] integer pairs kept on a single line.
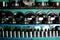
[[53, 18], [19, 18], [7, 17], [29, 18], [41, 18], [29, 2]]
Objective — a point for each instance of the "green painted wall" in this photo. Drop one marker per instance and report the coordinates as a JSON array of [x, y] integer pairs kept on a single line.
[[42, 0], [38, 0], [55, 0], [4, 0], [46, 38], [34, 10]]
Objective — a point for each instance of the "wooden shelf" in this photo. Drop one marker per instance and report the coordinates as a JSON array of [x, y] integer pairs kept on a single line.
[[35, 7]]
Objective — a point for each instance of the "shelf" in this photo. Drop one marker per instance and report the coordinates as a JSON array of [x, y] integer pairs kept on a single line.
[[45, 7], [22, 24], [48, 38], [28, 24]]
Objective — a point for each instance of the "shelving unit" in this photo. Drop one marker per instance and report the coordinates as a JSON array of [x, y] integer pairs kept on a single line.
[[50, 8]]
